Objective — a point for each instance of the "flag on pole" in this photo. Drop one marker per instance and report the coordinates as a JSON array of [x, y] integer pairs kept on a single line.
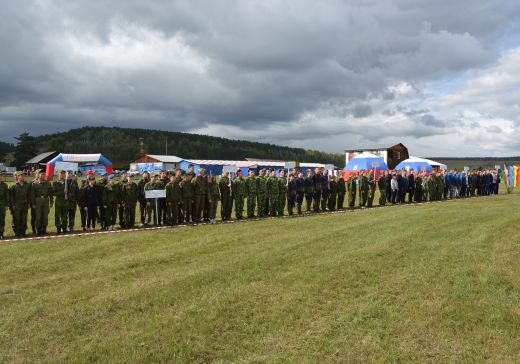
[[511, 179]]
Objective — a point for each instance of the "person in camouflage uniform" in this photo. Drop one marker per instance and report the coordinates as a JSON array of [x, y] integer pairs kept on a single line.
[[152, 204], [342, 190], [141, 197], [187, 198], [33, 210], [273, 192], [80, 201], [199, 190], [41, 201], [5, 202], [226, 202], [308, 189], [111, 202], [282, 192], [213, 197], [371, 189], [261, 194], [333, 193], [173, 200], [363, 189], [381, 184], [418, 187], [251, 193], [352, 189], [101, 216], [239, 193], [130, 191], [61, 194], [432, 187], [121, 210], [20, 202], [425, 183]]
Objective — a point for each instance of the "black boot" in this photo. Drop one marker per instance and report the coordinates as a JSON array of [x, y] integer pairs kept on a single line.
[[299, 209]]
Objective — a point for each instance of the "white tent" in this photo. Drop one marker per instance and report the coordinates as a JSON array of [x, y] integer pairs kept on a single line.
[[430, 162]]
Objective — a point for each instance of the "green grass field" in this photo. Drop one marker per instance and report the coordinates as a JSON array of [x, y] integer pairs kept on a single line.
[[429, 283]]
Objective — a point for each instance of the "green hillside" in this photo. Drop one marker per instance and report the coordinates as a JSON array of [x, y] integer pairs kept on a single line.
[[429, 283], [121, 146]]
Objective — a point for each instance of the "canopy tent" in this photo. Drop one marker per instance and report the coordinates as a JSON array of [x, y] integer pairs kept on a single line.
[[420, 164], [78, 158], [365, 161]]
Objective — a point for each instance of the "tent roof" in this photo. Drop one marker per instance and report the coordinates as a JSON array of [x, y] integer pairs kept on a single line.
[[40, 157], [429, 161], [165, 158]]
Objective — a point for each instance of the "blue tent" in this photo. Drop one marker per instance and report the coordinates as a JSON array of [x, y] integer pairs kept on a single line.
[[417, 164], [364, 161]]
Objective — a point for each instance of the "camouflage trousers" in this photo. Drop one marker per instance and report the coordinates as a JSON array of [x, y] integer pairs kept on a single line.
[[251, 205], [239, 206], [262, 199], [282, 198], [273, 205]]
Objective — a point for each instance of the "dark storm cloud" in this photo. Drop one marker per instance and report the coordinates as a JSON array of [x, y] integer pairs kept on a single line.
[[205, 65]]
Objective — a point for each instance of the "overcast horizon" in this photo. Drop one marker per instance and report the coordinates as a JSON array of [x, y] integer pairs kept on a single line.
[[441, 77]]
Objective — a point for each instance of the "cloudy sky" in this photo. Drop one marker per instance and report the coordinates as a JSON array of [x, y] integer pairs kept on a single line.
[[441, 76]]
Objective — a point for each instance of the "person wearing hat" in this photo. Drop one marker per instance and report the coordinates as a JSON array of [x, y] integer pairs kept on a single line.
[[92, 195], [163, 180], [273, 192], [187, 198], [226, 203], [80, 200], [129, 197], [282, 192], [33, 210], [308, 188], [239, 193], [111, 202], [199, 191], [173, 200], [4, 203], [292, 193], [120, 185], [213, 197], [261, 193], [251, 193], [72, 191], [61, 195], [20, 202], [141, 196], [101, 186], [41, 202], [342, 190], [152, 204], [316, 179]]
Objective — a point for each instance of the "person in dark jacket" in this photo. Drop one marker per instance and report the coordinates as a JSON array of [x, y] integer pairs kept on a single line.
[[92, 200], [411, 186]]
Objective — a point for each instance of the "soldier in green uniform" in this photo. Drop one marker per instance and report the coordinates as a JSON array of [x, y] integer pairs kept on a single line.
[[111, 202], [432, 189], [41, 201], [371, 189], [267, 210], [121, 210], [141, 197], [72, 191], [239, 193], [308, 189], [130, 192], [333, 193], [425, 184], [381, 184], [199, 190], [80, 201], [152, 204], [173, 200], [20, 202], [352, 189], [363, 189], [273, 191], [342, 190], [102, 183], [226, 202], [187, 197], [251, 193], [418, 187], [282, 192], [213, 197], [4, 203], [261, 194], [300, 192], [61, 210], [33, 210]]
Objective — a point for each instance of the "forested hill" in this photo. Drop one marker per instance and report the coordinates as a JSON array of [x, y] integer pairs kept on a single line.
[[121, 146]]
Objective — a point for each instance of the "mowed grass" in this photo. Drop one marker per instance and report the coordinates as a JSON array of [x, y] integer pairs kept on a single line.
[[437, 282]]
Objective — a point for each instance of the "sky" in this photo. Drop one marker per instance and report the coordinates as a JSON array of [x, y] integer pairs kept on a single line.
[[442, 77]]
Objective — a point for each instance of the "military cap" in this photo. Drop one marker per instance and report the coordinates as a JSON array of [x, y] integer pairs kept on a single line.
[[239, 170], [17, 173], [111, 176], [84, 180], [102, 174], [156, 175], [61, 171], [124, 172]]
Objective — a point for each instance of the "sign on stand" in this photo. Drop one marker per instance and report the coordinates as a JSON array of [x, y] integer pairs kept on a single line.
[[155, 194]]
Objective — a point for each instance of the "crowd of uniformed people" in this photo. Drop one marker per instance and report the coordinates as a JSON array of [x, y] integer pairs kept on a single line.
[[193, 197]]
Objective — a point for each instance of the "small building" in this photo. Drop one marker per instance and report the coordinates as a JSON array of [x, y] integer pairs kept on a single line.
[[391, 155], [155, 163], [40, 161]]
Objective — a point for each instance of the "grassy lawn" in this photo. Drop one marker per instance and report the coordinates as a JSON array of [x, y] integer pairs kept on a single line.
[[437, 282]]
